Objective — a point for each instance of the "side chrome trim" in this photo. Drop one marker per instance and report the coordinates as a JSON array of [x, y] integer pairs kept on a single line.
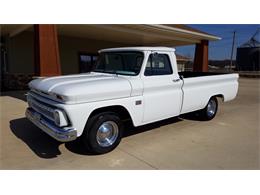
[[61, 134]]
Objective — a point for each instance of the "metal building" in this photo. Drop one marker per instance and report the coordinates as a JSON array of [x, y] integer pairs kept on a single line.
[[248, 54]]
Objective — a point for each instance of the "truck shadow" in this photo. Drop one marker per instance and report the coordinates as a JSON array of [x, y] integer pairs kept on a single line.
[[46, 147], [130, 130], [21, 95], [193, 116], [39, 142]]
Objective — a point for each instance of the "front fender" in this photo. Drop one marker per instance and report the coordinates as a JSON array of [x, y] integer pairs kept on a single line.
[[78, 114]]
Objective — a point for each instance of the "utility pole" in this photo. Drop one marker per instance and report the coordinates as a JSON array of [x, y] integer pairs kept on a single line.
[[232, 50]]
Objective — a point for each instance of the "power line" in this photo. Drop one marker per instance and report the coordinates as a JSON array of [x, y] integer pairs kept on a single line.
[[232, 49]]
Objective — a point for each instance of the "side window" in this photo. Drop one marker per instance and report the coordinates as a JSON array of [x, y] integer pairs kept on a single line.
[[158, 64]]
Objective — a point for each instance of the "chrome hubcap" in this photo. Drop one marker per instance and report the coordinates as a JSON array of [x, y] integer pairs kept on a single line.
[[211, 108], [107, 133]]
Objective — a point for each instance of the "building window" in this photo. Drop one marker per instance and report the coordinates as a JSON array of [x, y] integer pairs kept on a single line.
[[87, 62]]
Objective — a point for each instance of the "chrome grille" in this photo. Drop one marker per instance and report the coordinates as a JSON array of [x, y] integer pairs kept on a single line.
[[40, 107]]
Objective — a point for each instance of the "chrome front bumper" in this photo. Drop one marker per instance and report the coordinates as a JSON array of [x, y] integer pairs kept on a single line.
[[60, 134]]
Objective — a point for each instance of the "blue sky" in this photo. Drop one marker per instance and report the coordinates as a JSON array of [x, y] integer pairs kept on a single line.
[[220, 50]]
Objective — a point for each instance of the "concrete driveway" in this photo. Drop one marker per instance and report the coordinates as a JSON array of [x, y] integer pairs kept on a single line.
[[230, 141]]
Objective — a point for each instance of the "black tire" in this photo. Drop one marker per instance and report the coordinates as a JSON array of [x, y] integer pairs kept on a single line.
[[205, 114], [89, 137]]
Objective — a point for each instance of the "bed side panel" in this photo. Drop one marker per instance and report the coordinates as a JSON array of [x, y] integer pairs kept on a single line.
[[198, 90]]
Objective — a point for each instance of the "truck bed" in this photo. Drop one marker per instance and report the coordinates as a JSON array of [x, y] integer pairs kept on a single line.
[[188, 74], [198, 87]]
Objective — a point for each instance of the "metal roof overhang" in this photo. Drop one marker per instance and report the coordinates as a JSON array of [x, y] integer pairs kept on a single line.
[[127, 34], [136, 34]]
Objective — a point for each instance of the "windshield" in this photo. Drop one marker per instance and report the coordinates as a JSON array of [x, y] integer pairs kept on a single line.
[[125, 63]]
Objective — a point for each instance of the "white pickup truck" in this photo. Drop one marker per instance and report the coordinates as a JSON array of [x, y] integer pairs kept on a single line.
[[137, 83]]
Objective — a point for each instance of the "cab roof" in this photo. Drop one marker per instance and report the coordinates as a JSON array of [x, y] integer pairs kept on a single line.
[[168, 49]]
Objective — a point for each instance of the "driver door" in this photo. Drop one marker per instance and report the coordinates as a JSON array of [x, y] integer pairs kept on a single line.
[[162, 88]]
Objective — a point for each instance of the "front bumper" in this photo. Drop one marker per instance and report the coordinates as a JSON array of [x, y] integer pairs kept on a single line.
[[60, 134]]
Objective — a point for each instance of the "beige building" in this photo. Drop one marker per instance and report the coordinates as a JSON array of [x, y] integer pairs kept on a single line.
[[183, 62], [46, 50]]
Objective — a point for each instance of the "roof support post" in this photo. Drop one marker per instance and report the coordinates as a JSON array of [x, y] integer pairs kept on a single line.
[[201, 59], [47, 60]]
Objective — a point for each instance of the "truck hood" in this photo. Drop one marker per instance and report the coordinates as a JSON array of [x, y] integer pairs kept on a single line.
[[80, 88]]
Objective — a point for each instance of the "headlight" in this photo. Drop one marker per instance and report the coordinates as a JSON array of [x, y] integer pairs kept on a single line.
[[59, 118]]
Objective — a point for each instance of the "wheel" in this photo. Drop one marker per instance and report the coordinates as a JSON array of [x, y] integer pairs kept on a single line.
[[210, 111], [103, 133]]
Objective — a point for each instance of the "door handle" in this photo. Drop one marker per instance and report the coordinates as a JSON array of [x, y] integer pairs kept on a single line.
[[176, 80]]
